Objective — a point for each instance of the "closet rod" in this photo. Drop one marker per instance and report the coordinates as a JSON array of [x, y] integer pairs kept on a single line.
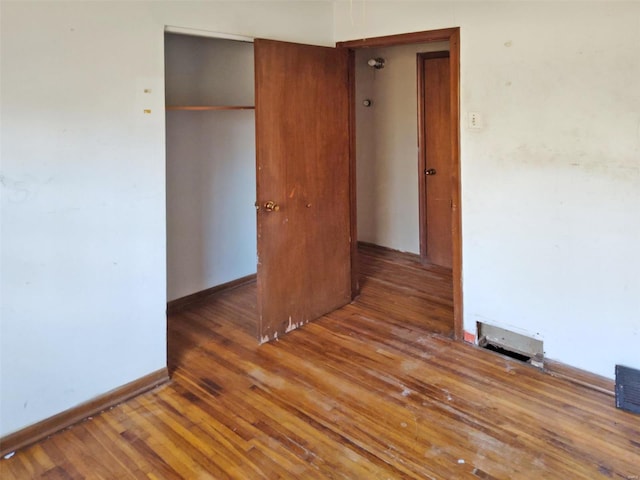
[[196, 32]]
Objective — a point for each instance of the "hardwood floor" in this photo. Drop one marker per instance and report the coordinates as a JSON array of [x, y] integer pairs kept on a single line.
[[367, 392]]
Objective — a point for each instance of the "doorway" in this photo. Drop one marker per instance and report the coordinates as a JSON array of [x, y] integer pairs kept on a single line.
[[293, 198], [451, 36], [210, 166]]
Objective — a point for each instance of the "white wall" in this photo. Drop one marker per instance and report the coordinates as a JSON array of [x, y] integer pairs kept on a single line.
[[83, 188], [386, 148], [211, 224], [551, 184]]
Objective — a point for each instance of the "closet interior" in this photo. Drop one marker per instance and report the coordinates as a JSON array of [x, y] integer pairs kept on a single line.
[[210, 171]]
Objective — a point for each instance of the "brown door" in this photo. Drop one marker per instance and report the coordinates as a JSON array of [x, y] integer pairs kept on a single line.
[[302, 152], [435, 143]]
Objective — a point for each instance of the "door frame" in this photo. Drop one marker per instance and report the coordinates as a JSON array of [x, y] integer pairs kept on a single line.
[[452, 35]]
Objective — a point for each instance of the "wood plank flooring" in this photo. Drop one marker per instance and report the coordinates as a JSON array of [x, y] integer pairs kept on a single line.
[[367, 392]]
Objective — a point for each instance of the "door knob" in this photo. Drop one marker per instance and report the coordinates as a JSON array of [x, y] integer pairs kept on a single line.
[[429, 171], [271, 206]]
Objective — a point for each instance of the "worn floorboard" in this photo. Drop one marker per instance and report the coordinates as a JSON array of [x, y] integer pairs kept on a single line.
[[375, 390]]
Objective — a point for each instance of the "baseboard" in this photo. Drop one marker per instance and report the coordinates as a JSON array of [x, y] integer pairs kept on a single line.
[[572, 374], [180, 303], [580, 377], [38, 431], [388, 249]]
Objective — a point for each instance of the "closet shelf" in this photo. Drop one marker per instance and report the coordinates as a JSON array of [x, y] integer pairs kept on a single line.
[[210, 107]]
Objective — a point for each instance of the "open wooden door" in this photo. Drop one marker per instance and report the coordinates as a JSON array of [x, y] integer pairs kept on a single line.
[[302, 174]]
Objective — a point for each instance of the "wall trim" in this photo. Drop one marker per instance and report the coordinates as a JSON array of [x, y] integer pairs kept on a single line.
[[39, 431], [580, 377], [198, 32], [401, 39], [180, 303]]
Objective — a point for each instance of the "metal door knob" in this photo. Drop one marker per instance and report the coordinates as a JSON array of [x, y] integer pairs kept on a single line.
[[271, 206], [429, 171]]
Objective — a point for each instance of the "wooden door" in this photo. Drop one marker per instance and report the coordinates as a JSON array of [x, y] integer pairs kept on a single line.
[[435, 142], [302, 154]]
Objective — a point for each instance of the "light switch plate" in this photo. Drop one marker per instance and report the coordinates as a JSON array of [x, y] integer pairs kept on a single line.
[[475, 121]]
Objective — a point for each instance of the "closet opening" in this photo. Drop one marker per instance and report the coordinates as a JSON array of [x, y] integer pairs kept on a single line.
[[257, 190], [210, 167]]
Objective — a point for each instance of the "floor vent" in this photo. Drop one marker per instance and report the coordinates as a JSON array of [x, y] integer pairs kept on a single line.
[[628, 389], [511, 344]]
